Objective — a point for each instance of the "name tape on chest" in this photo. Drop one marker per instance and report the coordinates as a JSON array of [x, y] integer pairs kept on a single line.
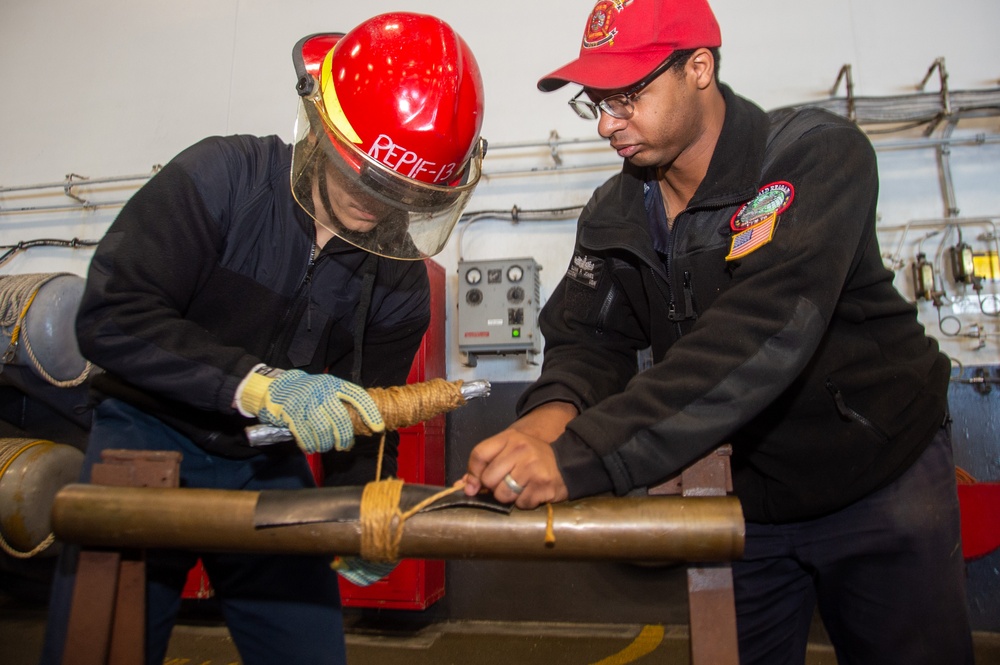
[[754, 223]]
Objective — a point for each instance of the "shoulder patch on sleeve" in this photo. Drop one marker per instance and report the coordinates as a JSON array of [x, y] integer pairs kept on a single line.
[[755, 221], [771, 199], [585, 270]]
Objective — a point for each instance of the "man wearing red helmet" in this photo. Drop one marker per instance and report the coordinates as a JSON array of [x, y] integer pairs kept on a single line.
[[255, 282], [739, 248]]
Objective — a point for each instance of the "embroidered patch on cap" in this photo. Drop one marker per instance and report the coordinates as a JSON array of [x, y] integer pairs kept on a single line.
[[586, 270], [601, 28], [771, 200]]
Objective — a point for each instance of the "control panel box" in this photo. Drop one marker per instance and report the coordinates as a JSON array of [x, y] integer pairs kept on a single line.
[[498, 304]]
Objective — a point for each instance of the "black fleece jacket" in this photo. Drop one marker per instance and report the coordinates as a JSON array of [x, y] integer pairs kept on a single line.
[[209, 270], [801, 353]]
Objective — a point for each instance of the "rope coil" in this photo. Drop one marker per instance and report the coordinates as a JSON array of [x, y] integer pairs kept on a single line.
[[10, 450], [17, 293], [382, 520], [402, 406]]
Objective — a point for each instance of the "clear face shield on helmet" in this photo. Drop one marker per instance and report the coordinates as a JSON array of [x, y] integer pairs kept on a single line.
[[368, 204]]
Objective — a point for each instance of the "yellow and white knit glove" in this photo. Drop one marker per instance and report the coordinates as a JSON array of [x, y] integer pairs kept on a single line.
[[310, 406]]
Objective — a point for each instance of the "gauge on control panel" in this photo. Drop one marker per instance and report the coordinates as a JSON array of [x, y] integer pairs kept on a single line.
[[473, 276], [515, 273]]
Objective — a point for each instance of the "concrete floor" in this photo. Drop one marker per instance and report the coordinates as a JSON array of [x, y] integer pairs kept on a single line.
[[205, 641], [472, 643]]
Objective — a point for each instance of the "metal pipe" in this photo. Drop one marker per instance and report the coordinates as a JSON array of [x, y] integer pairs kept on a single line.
[[661, 528], [73, 180], [931, 142], [554, 139], [945, 222], [978, 139], [66, 206], [944, 168]]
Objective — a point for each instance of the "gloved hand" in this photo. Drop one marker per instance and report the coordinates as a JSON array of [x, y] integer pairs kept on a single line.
[[362, 572], [311, 406]]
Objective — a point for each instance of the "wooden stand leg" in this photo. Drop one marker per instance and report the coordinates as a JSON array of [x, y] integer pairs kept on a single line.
[[108, 612], [89, 632], [128, 643], [713, 615], [711, 599]]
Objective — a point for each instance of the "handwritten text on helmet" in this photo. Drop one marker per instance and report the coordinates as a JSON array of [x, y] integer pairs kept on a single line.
[[407, 162]]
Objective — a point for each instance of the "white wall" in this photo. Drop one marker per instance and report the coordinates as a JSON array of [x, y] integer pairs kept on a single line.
[[106, 88]]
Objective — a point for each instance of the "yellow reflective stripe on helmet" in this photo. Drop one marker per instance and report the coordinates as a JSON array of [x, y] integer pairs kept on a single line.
[[334, 111]]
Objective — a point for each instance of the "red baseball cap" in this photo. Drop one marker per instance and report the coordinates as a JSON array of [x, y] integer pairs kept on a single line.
[[624, 40]]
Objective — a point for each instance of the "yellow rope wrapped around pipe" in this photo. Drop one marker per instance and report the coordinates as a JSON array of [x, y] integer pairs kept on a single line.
[[402, 406]]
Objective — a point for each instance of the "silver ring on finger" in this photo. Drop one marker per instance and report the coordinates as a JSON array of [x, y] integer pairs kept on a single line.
[[514, 486]]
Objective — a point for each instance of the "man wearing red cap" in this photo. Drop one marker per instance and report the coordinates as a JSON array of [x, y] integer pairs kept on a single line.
[[738, 249]]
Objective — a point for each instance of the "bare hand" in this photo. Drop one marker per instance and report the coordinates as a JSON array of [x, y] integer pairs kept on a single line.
[[521, 457]]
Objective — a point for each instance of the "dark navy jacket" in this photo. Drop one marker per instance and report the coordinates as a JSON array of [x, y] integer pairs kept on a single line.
[[207, 271], [800, 353]]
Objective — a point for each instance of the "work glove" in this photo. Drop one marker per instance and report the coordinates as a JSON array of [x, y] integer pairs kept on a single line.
[[311, 406], [362, 572]]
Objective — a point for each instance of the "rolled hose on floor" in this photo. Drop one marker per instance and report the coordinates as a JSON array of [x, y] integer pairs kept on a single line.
[[37, 313], [32, 471]]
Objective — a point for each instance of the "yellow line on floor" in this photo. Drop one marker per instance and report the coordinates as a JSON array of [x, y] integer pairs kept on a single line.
[[648, 639]]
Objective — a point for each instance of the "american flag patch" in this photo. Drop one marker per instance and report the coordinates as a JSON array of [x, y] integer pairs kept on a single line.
[[752, 238]]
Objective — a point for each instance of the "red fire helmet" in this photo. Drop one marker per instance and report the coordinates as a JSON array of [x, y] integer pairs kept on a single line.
[[387, 149]]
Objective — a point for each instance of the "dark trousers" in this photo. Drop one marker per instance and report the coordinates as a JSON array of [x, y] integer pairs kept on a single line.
[[279, 609], [886, 573]]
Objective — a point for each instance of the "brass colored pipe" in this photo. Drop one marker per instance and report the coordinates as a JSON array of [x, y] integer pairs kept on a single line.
[[661, 528]]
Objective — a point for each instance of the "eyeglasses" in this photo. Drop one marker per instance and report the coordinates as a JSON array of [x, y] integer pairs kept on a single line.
[[620, 105], [617, 106]]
